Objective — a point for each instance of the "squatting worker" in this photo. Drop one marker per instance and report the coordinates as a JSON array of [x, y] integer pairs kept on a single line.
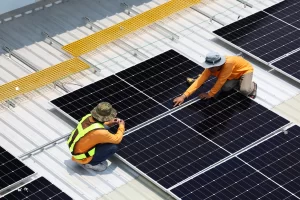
[[91, 143], [231, 71]]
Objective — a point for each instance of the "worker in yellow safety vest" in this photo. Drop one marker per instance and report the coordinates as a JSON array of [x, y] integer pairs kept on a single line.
[[231, 72], [91, 143]]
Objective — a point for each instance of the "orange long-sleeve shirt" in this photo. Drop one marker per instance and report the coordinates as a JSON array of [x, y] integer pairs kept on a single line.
[[96, 137], [234, 68]]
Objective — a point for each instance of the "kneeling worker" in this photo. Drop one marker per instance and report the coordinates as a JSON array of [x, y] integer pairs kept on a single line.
[[91, 143], [231, 71]]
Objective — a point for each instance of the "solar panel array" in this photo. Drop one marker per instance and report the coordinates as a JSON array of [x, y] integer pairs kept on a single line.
[[11, 169], [138, 93], [270, 35], [176, 146], [181, 144], [269, 170], [40, 188], [168, 151]]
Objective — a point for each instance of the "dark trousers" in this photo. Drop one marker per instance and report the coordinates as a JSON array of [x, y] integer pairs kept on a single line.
[[103, 152]]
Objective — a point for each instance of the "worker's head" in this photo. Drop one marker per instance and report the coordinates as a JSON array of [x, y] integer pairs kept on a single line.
[[104, 112], [214, 61]]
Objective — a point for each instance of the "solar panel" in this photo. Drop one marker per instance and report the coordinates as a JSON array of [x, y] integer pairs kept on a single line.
[[11, 169], [132, 105], [269, 170], [168, 151], [163, 77], [268, 35], [40, 188], [290, 65], [278, 159], [287, 11], [233, 179], [233, 121], [138, 93], [191, 139]]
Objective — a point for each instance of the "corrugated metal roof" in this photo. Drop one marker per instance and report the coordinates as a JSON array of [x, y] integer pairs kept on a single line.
[[33, 122]]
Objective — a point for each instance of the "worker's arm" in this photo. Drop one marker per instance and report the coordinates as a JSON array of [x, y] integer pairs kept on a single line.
[[223, 76], [114, 138], [198, 82]]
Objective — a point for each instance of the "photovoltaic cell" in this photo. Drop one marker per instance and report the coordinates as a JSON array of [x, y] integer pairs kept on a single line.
[[138, 93], [168, 151], [233, 121], [40, 188], [132, 106], [278, 159], [163, 77], [233, 179], [290, 65], [268, 34], [11, 169]]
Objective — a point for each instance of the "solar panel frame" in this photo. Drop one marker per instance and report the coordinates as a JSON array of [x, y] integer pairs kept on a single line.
[[39, 188], [233, 179], [278, 159], [172, 157], [179, 64], [273, 159], [233, 121], [148, 140], [12, 171], [285, 51]]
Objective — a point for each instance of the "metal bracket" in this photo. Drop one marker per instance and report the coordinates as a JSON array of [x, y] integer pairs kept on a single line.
[[245, 3], [173, 37], [8, 50], [240, 54], [212, 18], [59, 45], [10, 103], [122, 44]]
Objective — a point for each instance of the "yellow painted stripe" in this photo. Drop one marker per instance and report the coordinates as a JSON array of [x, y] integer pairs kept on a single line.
[[41, 78], [121, 29]]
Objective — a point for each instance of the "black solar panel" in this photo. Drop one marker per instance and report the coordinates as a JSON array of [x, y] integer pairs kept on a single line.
[[278, 159], [132, 105], [287, 11], [11, 169], [290, 65], [268, 34], [163, 77], [269, 170], [233, 179], [232, 121], [168, 151], [155, 83], [40, 188]]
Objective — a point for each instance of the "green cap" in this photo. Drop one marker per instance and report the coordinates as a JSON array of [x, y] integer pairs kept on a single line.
[[104, 112]]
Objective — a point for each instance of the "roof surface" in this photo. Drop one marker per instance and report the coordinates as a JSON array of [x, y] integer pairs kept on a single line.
[[33, 122]]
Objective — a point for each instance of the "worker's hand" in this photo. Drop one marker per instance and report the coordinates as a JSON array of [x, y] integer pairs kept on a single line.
[[204, 96], [112, 122], [179, 100], [122, 122]]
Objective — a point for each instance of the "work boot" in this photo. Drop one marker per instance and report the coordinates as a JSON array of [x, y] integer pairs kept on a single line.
[[190, 81], [100, 167]]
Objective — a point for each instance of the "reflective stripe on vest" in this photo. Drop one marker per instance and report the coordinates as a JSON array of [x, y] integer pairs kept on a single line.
[[78, 133]]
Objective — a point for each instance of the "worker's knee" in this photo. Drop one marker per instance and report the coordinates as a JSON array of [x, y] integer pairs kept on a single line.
[[245, 91], [226, 88], [113, 148]]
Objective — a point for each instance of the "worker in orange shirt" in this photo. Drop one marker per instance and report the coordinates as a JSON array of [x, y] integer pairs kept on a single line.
[[231, 71], [91, 143]]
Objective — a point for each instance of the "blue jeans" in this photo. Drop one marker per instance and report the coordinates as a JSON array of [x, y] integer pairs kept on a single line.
[[103, 152]]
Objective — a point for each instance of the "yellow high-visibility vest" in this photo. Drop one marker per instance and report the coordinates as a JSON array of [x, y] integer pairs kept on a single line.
[[78, 133]]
